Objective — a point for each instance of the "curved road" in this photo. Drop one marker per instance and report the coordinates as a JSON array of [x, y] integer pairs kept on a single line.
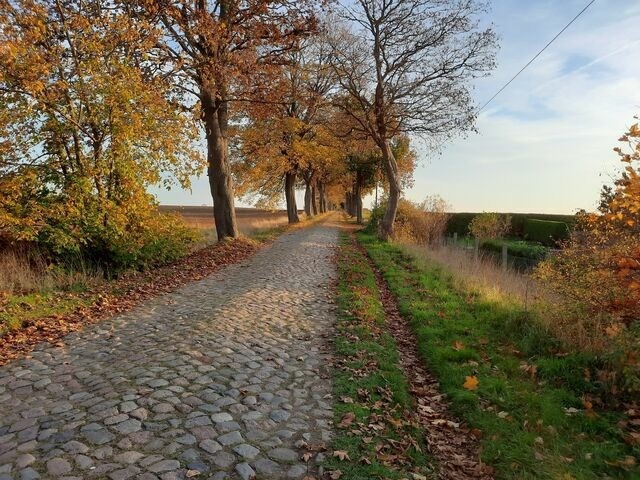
[[224, 377]]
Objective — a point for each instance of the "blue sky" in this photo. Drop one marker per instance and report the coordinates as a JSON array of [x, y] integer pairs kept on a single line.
[[545, 143]]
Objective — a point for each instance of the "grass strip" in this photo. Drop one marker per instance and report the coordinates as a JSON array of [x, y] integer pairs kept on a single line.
[[530, 403], [376, 437]]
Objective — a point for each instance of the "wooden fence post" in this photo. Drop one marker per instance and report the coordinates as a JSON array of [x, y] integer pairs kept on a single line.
[[455, 239], [476, 250], [505, 256]]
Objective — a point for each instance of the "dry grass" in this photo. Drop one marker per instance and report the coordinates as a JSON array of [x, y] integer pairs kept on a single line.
[[483, 276], [508, 287], [22, 274]]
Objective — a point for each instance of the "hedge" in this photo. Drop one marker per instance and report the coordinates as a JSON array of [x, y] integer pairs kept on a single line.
[[546, 232], [459, 222]]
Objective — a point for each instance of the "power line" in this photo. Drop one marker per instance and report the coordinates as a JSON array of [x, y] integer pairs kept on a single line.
[[537, 54]]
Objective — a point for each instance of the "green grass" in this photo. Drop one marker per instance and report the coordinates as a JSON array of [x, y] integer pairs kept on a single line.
[[526, 433], [368, 373], [17, 309]]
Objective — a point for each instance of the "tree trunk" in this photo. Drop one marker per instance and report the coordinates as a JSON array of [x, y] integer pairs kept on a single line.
[[323, 206], [307, 198], [357, 194], [391, 171], [314, 204], [215, 116], [290, 196]]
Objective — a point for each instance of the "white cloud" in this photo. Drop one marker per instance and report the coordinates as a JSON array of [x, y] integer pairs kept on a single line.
[[545, 143]]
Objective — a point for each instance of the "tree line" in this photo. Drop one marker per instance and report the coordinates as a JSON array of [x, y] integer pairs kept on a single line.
[[100, 99]]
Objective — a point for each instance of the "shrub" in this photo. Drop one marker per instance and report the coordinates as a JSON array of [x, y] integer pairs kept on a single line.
[[545, 232], [490, 225], [422, 223]]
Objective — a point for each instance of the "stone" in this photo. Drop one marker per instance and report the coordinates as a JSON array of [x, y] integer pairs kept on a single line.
[[246, 451], [230, 438], [99, 437], [266, 466], [124, 473], [221, 417], [164, 466], [58, 467], [29, 474], [82, 461], [210, 446], [279, 416], [223, 459], [74, 446], [128, 457], [128, 426], [24, 460], [283, 454], [245, 471], [296, 471]]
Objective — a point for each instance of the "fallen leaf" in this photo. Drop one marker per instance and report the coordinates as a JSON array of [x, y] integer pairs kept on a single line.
[[471, 383], [341, 454], [457, 345], [347, 420]]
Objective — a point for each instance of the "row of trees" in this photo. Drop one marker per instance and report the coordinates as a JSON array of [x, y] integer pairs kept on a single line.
[[99, 99]]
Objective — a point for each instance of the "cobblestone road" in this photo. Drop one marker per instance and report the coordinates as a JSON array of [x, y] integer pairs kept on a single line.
[[224, 376]]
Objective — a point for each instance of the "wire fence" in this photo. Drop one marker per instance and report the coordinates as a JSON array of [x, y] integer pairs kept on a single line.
[[505, 258]]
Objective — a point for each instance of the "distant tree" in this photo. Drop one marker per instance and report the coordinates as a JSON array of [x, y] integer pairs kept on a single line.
[[223, 52], [406, 69], [490, 225], [284, 136]]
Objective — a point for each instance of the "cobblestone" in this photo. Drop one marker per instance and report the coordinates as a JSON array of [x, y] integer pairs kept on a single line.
[[224, 376]]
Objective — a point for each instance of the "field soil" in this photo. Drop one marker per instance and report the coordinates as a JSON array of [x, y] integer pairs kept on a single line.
[[249, 219]]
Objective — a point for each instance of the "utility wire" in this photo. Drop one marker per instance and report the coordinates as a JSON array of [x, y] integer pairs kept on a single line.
[[537, 54]]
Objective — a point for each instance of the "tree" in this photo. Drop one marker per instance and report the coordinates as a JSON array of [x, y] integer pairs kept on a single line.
[[85, 127], [597, 272], [284, 137], [406, 69], [223, 52]]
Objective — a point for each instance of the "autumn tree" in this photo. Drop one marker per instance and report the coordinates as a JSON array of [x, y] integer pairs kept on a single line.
[[284, 137], [406, 66], [85, 128], [222, 52]]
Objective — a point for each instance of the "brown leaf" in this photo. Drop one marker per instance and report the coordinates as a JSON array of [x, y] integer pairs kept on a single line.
[[341, 454], [347, 420]]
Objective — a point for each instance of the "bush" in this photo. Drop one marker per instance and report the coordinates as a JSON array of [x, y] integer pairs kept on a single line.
[[517, 248], [490, 225], [546, 232], [422, 223], [160, 239], [81, 230]]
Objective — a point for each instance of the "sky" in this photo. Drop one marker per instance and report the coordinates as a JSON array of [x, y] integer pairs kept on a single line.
[[544, 145]]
